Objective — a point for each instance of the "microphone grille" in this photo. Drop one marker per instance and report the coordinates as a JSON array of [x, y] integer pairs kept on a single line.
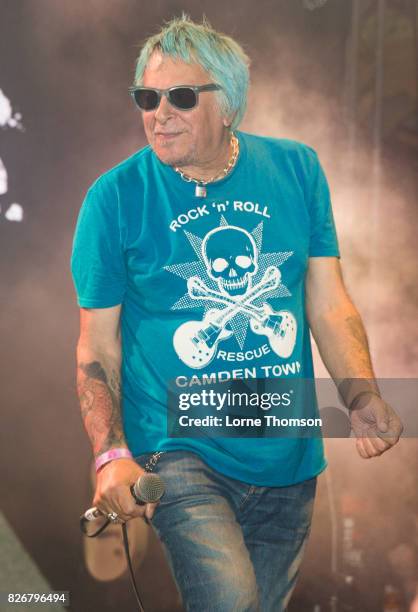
[[149, 488]]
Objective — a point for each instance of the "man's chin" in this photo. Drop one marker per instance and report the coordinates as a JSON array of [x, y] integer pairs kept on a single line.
[[169, 157]]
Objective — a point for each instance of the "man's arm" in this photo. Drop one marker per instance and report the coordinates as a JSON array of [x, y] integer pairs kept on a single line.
[[98, 377], [342, 342], [99, 390]]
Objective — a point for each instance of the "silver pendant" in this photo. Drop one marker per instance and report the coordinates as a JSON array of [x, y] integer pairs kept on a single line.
[[200, 191]]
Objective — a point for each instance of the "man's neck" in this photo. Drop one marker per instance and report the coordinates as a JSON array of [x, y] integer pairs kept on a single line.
[[211, 169]]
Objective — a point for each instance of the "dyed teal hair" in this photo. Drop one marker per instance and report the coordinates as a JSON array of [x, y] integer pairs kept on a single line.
[[221, 56]]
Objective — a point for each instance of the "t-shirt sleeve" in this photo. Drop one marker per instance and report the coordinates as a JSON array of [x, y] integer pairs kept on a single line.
[[97, 261], [323, 241]]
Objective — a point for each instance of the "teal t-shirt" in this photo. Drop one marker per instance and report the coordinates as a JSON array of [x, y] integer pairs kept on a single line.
[[175, 260]]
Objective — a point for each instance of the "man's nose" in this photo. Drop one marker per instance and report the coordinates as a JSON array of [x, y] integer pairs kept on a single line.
[[164, 110]]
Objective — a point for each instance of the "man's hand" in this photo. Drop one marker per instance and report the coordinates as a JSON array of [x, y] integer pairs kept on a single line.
[[113, 490], [376, 425]]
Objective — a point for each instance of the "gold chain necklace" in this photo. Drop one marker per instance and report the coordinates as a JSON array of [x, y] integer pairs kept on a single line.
[[200, 190]]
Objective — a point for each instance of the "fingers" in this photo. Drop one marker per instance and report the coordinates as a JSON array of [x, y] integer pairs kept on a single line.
[[361, 449], [375, 446], [395, 429], [385, 440], [366, 449], [113, 491], [369, 447], [376, 425], [373, 440], [150, 509], [121, 501]]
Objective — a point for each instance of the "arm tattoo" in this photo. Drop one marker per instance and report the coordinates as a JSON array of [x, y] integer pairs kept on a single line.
[[99, 394]]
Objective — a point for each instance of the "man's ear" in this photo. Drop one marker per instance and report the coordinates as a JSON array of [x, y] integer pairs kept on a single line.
[[227, 121]]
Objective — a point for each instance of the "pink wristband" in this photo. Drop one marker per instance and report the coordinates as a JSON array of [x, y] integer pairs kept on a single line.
[[113, 453]]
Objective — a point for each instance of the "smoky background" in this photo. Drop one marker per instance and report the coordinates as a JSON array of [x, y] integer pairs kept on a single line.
[[330, 74]]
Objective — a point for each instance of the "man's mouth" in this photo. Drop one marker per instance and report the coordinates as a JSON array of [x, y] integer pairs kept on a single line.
[[167, 134]]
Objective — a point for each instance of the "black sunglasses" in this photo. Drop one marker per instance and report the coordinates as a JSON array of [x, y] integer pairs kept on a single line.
[[183, 97]]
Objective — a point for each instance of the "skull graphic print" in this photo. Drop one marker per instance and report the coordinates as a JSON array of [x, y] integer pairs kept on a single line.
[[230, 255], [230, 281]]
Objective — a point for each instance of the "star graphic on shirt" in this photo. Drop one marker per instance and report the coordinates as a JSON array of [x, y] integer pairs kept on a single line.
[[239, 322]]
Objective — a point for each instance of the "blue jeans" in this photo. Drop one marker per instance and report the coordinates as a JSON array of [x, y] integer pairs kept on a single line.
[[231, 546]]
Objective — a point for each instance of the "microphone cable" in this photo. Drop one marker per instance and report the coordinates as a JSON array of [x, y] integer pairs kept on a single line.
[[131, 571], [157, 491], [83, 525]]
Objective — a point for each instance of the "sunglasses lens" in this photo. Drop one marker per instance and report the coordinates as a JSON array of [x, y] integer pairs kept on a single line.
[[183, 97], [146, 99]]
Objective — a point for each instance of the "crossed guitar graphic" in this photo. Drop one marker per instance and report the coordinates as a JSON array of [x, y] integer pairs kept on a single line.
[[196, 342]]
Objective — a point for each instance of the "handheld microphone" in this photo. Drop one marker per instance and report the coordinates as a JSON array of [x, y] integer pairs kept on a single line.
[[148, 489]]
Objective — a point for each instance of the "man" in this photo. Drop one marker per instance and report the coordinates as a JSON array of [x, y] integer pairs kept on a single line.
[[173, 249]]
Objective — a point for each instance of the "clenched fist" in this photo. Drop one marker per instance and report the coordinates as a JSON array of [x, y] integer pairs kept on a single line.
[[113, 490], [375, 424]]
